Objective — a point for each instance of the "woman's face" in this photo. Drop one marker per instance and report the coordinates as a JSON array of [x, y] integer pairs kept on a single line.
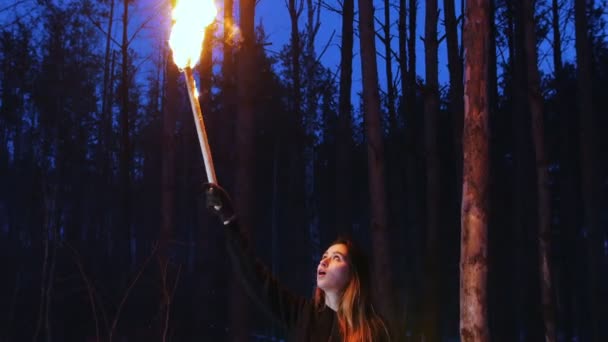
[[333, 272]]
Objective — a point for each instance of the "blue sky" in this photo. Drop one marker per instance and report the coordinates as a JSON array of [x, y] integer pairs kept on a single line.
[[273, 15]]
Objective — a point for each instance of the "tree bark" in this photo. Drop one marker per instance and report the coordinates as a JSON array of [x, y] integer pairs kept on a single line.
[[456, 87], [520, 177], [402, 30], [535, 102], [473, 257], [388, 68], [567, 191], [412, 174], [492, 63], [106, 121], [433, 182], [375, 160], [344, 139], [125, 234], [589, 181], [410, 97], [245, 153], [168, 186]]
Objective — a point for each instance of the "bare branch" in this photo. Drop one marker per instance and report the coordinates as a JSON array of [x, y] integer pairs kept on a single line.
[[128, 291], [326, 46], [9, 7], [98, 26], [141, 27], [87, 283]]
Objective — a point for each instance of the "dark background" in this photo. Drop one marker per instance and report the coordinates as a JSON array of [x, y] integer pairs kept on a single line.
[[103, 230]]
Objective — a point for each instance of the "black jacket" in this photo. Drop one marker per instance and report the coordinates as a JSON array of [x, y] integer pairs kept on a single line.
[[298, 316]]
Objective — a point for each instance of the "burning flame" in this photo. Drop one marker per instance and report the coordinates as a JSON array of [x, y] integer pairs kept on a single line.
[[190, 18]]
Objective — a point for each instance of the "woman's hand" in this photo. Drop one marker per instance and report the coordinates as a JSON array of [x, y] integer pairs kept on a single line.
[[218, 202]]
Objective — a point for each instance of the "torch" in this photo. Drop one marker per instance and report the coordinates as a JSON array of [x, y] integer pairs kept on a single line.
[[190, 19]]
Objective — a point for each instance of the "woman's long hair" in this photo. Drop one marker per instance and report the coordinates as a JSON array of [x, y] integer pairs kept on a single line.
[[357, 318]]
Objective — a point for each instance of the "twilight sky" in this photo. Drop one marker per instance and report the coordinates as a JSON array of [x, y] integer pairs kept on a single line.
[[273, 15]]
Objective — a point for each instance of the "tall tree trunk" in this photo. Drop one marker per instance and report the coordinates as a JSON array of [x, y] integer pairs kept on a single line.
[[557, 39], [568, 192], [245, 152], [414, 207], [402, 30], [106, 121], [433, 196], [295, 9], [519, 179], [388, 68], [492, 62], [456, 87], [410, 92], [313, 24], [473, 257], [589, 184], [535, 101], [125, 154], [344, 138], [168, 188], [375, 159], [224, 159]]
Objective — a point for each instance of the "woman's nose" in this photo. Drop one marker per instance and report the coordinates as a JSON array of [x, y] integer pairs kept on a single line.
[[323, 262]]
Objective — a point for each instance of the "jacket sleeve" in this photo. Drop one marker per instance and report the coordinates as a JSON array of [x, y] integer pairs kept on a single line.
[[259, 283]]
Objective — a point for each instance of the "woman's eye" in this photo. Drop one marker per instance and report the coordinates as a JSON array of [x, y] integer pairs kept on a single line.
[[336, 257]]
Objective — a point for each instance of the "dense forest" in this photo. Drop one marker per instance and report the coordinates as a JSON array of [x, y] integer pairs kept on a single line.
[[104, 234]]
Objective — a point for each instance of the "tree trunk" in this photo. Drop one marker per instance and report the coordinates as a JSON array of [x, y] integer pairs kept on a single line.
[[312, 95], [223, 157], [473, 257], [591, 224], [518, 286], [125, 233], [344, 138], [492, 62], [375, 159], [388, 67], [106, 121], [412, 174], [245, 154], [410, 97], [433, 196], [456, 87], [557, 40], [535, 101], [567, 193], [168, 187], [402, 47]]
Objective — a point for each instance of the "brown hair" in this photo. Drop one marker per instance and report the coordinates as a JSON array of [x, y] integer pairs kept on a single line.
[[357, 318]]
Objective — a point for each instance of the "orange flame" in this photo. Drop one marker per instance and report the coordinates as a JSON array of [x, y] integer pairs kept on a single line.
[[190, 18]]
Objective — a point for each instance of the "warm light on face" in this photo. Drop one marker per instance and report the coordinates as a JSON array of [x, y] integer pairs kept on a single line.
[[190, 18]]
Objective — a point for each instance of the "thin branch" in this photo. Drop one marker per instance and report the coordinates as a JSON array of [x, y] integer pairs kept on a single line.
[[141, 27], [98, 26], [169, 301], [325, 47], [87, 283], [9, 7], [124, 298]]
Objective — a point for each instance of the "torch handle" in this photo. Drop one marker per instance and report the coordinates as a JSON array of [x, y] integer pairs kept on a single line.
[[200, 126]]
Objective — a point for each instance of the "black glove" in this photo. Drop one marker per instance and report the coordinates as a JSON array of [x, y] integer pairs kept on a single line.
[[218, 202]]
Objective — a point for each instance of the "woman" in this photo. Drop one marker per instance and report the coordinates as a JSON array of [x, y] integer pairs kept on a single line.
[[341, 310]]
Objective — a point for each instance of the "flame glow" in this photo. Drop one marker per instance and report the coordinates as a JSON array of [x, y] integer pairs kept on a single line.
[[190, 18]]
